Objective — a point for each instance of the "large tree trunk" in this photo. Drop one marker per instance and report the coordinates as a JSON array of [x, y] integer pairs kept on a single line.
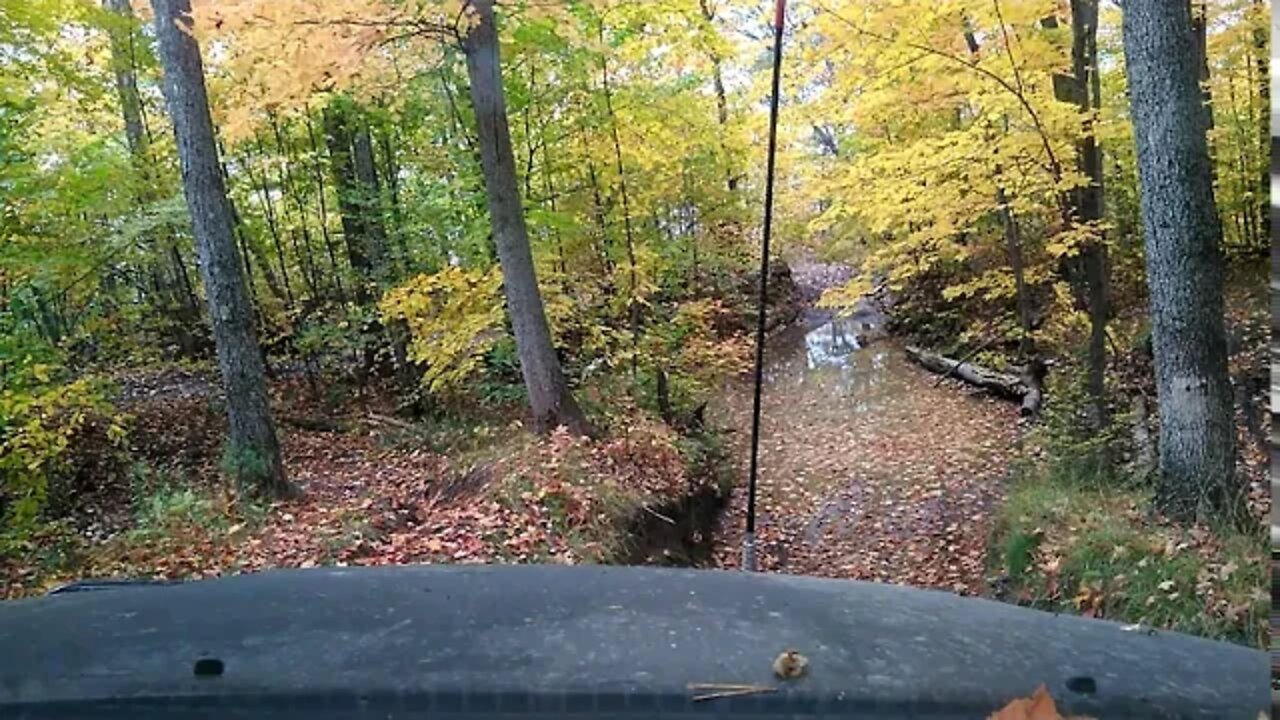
[[549, 396], [1184, 264], [253, 450]]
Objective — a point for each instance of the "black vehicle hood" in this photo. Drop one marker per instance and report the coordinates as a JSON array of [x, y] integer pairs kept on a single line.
[[569, 640]]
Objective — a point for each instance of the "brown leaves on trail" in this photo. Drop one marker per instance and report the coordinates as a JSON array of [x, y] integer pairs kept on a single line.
[[869, 470], [1039, 706]]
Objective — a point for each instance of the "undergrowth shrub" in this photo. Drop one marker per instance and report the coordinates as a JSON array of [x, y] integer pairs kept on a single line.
[[52, 429], [454, 317]]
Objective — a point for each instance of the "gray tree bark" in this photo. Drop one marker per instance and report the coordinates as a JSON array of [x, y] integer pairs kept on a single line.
[[253, 452], [1184, 264], [549, 396]]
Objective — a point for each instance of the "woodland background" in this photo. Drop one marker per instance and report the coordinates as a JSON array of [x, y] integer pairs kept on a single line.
[[972, 161]]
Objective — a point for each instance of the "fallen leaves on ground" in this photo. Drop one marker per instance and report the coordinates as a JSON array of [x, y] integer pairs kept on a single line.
[[869, 470], [371, 501]]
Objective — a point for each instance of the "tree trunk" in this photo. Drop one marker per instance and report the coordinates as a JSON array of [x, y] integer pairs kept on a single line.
[[722, 100], [339, 139], [269, 212], [1200, 45], [549, 396], [1184, 264], [369, 200], [1262, 60], [253, 451], [1088, 204], [176, 294], [242, 238], [633, 301], [548, 185], [389, 142], [324, 208], [601, 239], [122, 62], [1023, 389], [284, 176], [1013, 246]]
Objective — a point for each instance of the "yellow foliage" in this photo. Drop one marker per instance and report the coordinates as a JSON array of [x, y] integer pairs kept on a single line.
[[38, 424], [845, 296], [701, 356], [454, 317]]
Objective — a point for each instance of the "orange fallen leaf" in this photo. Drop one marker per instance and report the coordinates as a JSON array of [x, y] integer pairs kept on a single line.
[[1039, 706]]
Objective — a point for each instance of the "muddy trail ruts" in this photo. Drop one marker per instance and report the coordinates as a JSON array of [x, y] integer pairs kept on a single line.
[[869, 467]]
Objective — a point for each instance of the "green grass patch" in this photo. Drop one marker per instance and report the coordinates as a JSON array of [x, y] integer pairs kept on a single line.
[[1087, 549], [167, 504]]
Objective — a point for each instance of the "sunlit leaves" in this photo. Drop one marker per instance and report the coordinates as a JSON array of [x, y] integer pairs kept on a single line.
[[273, 56], [956, 131]]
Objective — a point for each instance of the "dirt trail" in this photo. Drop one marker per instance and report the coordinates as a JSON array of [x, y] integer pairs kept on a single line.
[[869, 468]]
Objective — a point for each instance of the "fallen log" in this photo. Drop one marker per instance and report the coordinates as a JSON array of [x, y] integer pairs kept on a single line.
[[1033, 374], [1025, 390]]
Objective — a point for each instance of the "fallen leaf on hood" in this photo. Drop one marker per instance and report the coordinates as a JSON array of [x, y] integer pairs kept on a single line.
[[1039, 706]]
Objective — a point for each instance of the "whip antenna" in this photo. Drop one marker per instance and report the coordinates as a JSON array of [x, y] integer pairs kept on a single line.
[[749, 541]]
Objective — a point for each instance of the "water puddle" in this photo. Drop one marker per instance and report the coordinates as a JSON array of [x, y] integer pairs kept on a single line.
[[842, 365]]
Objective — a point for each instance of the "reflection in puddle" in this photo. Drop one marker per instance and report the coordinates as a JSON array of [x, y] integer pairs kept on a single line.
[[824, 374], [840, 363], [832, 343]]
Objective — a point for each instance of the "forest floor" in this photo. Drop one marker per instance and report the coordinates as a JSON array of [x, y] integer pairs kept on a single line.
[[377, 490], [870, 468]]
